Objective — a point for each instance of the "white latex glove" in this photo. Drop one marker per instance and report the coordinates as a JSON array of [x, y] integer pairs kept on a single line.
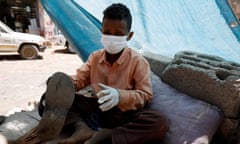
[[108, 97]]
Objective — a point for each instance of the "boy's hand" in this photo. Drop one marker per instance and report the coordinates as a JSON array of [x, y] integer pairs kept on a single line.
[[74, 79], [108, 97], [88, 91]]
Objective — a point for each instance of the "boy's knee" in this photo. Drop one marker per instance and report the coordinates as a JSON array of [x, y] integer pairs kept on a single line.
[[162, 125], [159, 122]]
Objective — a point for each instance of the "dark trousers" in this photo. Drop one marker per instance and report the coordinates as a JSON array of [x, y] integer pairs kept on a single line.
[[132, 127]]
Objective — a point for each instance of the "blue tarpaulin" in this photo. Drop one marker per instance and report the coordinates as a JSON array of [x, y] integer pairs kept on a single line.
[[161, 26]]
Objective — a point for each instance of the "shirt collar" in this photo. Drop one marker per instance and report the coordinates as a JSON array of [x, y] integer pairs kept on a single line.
[[103, 56], [120, 59]]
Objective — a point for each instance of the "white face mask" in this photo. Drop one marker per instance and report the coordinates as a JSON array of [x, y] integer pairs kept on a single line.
[[113, 44]]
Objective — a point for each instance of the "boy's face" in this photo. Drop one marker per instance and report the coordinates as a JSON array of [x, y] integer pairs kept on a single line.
[[115, 27]]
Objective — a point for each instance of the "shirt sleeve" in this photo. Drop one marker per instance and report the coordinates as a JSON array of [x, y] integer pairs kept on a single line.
[[142, 92], [82, 77]]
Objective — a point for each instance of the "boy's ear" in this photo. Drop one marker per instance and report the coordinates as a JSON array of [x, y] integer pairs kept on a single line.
[[130, 35]]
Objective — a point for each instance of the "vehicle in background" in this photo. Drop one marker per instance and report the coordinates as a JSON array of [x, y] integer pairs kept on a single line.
[[69, 47], [27, 45], [60, 40]]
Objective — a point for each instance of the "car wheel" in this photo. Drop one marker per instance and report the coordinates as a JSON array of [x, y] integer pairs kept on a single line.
[[29, 51]]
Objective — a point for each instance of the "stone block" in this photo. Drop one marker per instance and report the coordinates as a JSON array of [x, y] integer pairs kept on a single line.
[[208, 78], [157, 62]]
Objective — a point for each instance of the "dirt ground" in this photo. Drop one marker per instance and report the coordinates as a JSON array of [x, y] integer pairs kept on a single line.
[[23, 81]]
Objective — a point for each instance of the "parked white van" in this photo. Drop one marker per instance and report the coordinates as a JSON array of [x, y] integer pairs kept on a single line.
[[27, 45]]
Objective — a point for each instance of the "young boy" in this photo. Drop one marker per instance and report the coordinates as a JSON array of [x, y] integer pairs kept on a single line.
[[120, 78]]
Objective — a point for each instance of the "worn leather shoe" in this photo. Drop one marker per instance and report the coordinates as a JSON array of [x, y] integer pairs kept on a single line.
[[59, 97]]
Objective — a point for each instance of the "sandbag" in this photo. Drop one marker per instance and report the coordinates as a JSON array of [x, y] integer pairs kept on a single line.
[[191, 120], [18, 124]]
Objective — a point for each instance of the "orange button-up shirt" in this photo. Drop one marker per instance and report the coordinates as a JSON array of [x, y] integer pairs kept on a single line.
[[130, 75]]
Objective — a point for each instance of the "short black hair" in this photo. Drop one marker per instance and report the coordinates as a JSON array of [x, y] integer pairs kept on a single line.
[[118, 11]]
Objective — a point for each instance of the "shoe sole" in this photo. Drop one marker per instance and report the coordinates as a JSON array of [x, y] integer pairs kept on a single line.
[[60, 92], [59, 98]]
